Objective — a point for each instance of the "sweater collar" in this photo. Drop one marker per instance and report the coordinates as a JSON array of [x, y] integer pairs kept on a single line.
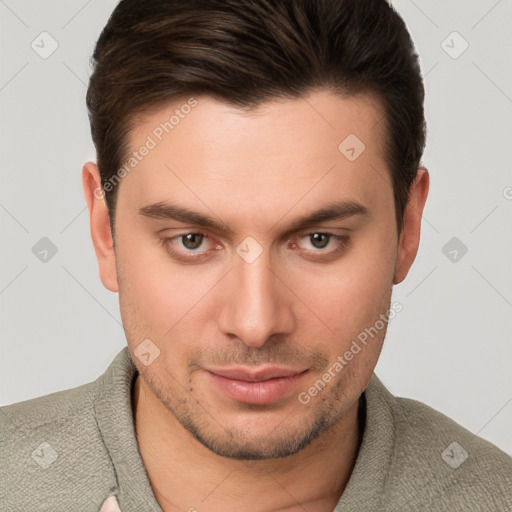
[[366, 486], [114, 415]]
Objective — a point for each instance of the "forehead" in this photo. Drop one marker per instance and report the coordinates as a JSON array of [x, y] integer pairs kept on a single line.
[[319, 115], [203, 147]]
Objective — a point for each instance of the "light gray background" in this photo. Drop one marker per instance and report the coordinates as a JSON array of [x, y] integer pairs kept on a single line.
[[450, 347]]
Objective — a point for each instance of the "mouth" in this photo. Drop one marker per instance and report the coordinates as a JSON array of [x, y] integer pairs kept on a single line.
[[261, 386]]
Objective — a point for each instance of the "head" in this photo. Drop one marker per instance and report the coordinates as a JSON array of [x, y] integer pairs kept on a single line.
[[257, 194]]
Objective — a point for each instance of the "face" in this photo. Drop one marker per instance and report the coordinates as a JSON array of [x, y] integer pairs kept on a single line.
[[244, 302]]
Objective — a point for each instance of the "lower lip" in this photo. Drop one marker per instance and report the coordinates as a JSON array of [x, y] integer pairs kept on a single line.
[[256, 393]]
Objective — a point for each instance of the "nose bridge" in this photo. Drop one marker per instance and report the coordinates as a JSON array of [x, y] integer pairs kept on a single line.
[[256, 306]]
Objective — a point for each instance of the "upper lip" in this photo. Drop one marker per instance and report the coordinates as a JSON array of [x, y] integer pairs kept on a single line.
[[255, 375]]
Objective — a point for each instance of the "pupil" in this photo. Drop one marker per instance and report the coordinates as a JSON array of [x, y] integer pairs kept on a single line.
[[190, 238], [316, 237]]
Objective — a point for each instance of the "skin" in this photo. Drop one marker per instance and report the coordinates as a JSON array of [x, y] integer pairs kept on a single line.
[[295, 305]]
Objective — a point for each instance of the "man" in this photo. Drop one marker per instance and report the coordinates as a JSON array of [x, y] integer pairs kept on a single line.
[[257, 193]]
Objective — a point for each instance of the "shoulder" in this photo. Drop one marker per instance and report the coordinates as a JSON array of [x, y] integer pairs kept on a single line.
[[52, 445], [48, 409], [444, 465]]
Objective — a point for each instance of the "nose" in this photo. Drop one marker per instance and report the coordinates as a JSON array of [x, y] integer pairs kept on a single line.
[[257, 304]]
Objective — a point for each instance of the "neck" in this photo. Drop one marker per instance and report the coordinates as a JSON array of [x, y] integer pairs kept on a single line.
[[185, 475]]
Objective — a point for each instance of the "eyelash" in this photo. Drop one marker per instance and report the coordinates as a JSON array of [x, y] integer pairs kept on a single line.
[[343, 242]]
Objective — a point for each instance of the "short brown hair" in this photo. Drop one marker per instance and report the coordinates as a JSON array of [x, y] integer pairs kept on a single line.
[[245, 52]]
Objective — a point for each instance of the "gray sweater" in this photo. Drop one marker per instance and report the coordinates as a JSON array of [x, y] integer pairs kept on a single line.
[[71, 450]]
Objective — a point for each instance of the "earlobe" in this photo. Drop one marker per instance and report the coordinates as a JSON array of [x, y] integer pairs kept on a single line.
[[101, 233], [410, 236]]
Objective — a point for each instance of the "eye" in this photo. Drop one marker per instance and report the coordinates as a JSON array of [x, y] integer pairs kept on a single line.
[[192, 241], [187, 246], [325, 243], [319, 240]]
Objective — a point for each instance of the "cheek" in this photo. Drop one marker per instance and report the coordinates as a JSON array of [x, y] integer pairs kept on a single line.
[[158, 298], [148, 295], [351, 293]]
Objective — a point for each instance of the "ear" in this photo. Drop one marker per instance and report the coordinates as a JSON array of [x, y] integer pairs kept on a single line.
[[100, 226], [409, 239]]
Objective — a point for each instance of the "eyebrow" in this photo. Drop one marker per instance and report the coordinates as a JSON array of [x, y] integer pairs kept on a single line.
[[337, 210]]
